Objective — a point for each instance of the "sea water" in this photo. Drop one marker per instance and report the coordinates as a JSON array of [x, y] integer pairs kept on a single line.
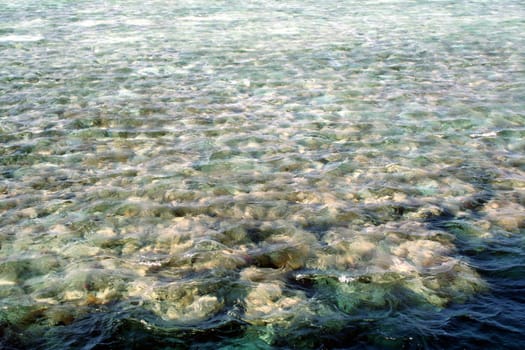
[[262, 174]]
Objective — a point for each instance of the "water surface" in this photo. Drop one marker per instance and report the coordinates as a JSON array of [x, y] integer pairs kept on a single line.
[[262, 174]]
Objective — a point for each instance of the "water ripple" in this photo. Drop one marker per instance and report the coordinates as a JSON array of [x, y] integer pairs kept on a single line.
[[192, 174]]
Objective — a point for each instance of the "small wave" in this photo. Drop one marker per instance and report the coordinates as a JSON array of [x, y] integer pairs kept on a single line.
[[92, 23]]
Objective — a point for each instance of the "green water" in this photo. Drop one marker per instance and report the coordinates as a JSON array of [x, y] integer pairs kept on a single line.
[[262, 174]]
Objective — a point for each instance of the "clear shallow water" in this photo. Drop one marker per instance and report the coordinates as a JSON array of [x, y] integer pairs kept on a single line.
[[262, 174]]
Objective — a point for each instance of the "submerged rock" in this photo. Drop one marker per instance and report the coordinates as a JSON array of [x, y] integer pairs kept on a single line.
[[267, 304], [179, 302], [508, 215]]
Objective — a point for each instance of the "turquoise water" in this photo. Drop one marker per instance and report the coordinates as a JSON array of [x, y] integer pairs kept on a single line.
[[262, 174]]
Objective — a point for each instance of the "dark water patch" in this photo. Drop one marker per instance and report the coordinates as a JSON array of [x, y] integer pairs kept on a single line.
[[494, 318], [481, 329]]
